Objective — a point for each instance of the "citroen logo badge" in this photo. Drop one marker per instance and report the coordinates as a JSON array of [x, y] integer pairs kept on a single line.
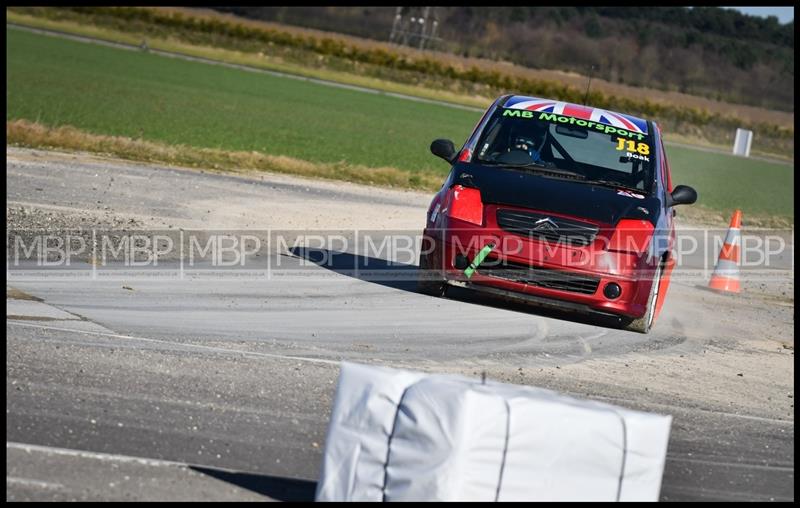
[[545, 224]]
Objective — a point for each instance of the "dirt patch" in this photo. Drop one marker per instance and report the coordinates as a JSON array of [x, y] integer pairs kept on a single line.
[[16, 294], [368, 207], [31, 318], [34, 218]]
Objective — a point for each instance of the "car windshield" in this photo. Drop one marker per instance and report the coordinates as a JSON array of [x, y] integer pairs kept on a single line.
[[567, 147]]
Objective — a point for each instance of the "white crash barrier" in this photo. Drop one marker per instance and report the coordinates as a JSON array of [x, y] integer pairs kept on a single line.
[[396, 435]]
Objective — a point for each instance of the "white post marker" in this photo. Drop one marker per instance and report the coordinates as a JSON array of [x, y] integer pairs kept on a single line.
[[396, 435], [742, 142]]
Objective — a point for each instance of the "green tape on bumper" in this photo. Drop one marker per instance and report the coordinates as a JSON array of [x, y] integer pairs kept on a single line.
[[478, 260]]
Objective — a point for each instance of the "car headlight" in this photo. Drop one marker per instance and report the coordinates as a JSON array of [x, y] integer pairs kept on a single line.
[[631, 235], [464, 203]]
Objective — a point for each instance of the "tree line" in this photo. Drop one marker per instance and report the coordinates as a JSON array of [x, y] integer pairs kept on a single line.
[[708, 51]]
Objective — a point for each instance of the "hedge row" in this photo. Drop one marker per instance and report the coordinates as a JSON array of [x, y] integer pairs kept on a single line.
[[178, 24]]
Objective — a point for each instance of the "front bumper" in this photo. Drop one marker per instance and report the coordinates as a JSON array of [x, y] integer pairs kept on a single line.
[[517, 296], [577, 296]]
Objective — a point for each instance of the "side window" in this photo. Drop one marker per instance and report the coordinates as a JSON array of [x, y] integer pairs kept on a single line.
[[489, 140]]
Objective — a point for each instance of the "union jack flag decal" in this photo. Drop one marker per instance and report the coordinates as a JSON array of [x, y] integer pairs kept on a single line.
[[627, 122]]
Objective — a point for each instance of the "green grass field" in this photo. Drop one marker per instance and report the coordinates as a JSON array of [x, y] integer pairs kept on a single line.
[[727, 182], [110, 91]]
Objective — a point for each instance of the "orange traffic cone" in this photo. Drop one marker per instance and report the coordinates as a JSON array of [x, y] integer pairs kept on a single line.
[[726, 273]]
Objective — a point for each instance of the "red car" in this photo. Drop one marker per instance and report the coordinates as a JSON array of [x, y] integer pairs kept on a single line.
[[556, 204]]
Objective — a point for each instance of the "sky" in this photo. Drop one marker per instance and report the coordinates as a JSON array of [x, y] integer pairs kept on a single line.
[[784, 14]]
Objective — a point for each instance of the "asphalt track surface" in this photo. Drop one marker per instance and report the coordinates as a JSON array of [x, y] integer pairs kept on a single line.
[[215, 388]]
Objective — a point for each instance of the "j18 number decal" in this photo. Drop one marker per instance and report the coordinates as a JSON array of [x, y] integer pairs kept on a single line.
[[633, 146]]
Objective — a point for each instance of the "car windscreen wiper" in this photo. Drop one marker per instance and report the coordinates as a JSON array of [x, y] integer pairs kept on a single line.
[[536, 167], [616, 185]]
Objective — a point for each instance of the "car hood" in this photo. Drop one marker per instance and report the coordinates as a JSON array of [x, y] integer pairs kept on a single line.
[[525, 189]]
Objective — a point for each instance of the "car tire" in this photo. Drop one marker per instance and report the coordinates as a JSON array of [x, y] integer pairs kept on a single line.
[[428, 283], [645, 323]]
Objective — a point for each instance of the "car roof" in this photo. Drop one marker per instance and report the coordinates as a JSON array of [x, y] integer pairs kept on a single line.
[[603, 116]]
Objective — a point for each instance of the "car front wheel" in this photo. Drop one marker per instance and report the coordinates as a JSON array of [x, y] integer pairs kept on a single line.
[[645, 323], [429, 282]]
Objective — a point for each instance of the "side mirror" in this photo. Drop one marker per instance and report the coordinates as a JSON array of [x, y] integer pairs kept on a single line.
[[682, 195], [445, 149]]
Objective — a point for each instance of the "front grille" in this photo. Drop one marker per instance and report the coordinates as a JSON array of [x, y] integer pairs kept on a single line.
[[556, 229], [543, 277]]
